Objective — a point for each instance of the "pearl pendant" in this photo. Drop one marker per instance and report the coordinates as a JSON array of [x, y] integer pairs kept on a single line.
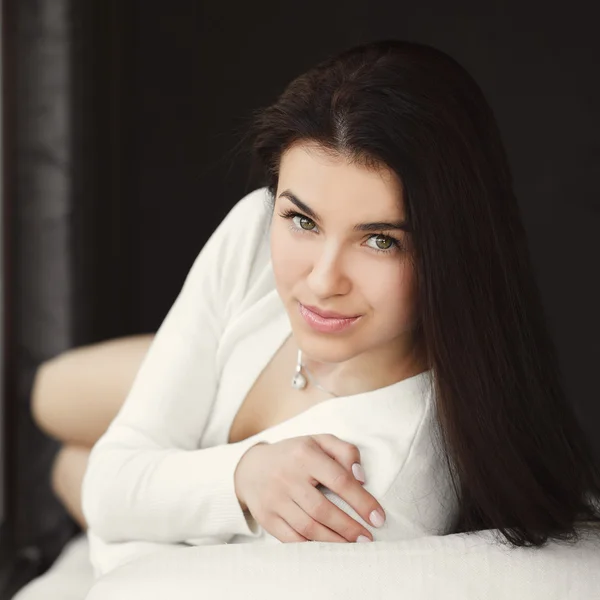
[[299, 381]]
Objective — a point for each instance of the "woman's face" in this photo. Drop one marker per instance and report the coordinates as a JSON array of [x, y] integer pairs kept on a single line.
[[323, 258]]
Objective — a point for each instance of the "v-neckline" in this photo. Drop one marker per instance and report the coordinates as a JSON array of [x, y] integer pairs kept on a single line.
[[411, 385]]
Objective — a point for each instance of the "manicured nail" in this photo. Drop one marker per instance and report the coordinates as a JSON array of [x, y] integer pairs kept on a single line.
[[377, 518], [358, 472], [362, 539]]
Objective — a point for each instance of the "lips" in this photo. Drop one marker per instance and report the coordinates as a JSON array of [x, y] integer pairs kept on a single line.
[[328, 314], [327, 325]]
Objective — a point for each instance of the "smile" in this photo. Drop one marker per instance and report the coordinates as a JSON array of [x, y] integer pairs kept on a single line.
[[326, 324]]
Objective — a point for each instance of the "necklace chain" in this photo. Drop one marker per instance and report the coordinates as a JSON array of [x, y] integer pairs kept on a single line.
[[311, 377]]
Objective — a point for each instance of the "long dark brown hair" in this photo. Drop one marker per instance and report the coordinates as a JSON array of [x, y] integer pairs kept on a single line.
[[519, 460]]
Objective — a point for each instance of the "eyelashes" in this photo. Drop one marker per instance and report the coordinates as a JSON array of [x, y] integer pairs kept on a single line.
[[290, 214]]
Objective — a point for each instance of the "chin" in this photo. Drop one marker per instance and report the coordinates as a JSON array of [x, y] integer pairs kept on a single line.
[[325, 349]]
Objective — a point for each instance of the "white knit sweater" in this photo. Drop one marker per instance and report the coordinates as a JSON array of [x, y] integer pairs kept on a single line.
[[162, 474]]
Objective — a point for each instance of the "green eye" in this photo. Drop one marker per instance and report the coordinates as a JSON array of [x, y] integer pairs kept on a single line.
[[383, 242], [306, 221], [301, 222]]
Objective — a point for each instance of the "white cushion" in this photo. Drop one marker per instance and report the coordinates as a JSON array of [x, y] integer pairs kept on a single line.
[[456, 567], [69, 578]]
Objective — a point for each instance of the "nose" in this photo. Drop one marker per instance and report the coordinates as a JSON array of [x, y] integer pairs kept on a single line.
[[328, 276]]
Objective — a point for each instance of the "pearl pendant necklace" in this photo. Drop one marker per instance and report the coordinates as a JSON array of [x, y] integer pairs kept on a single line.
[[299, 381]]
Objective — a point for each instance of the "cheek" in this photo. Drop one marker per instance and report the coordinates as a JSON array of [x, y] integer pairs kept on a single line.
[[391, 293], [284, 257]]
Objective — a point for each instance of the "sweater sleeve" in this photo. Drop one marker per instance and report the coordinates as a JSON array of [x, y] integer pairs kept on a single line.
[[146, 479]]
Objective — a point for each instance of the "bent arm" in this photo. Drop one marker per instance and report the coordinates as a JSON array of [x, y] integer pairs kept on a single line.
[[146, 478]]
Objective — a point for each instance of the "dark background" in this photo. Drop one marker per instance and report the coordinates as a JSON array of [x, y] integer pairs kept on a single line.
[[120, 124]]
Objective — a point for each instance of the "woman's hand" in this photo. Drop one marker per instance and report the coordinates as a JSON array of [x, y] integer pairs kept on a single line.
[[277, 483]]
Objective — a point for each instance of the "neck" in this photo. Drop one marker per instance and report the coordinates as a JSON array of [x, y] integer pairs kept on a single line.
[[366, 372]]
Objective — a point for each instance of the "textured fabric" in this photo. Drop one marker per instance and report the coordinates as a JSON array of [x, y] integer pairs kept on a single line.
[[163, 473], [456, 567]]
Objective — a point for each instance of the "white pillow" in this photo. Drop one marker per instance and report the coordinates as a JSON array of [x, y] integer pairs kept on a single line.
[[455, 567]]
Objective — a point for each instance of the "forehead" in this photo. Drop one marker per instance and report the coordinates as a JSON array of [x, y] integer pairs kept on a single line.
[[323, 180]]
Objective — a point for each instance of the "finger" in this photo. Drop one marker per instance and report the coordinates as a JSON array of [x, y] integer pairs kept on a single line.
[[285, 533], [343, 452], [334, 477], [336, 524], [306, 526]]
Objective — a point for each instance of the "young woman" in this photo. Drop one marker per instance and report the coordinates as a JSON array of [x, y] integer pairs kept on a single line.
[[371, 310]]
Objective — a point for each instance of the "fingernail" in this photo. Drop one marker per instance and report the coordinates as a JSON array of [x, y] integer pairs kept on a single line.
[[362, 539], [358, 472], [377, 518]]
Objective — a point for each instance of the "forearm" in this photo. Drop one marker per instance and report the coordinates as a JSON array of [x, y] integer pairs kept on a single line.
[[149, 479], [165, 496]]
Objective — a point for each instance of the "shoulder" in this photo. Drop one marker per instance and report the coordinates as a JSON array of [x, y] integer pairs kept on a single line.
[[242, 231], [224, 263], [237, 252], [248, 225], [249, 215]]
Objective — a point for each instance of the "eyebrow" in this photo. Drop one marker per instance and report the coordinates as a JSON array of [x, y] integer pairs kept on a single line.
[[377, 226]]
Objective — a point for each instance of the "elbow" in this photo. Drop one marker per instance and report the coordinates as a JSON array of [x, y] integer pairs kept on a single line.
[[107, 495]]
